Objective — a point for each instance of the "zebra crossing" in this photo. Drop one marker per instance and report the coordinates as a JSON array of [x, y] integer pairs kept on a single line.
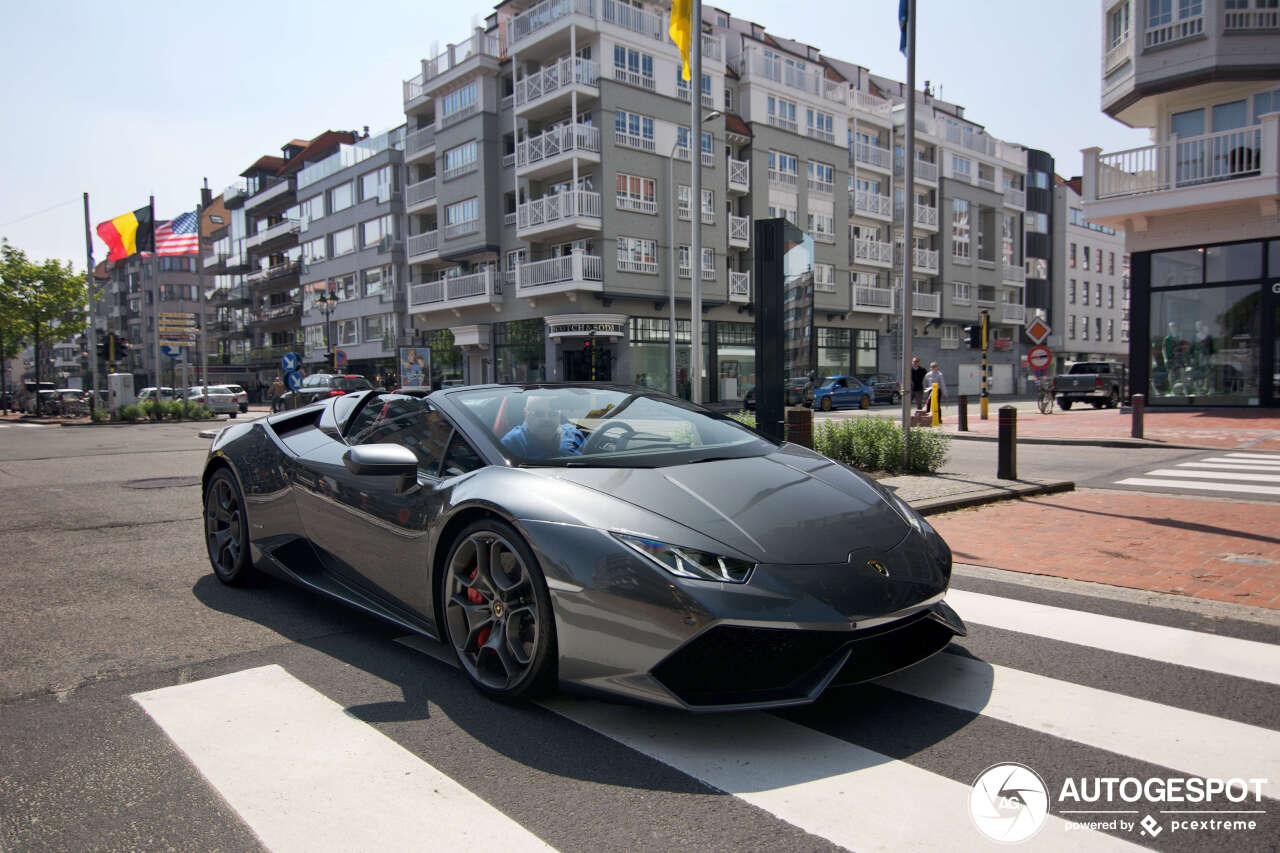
[[889, 765], [23, 426], [1246, 475]]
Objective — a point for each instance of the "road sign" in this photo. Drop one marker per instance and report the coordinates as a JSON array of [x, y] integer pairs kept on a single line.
[[171, 350], [1039, 358], [339, 358], [293, 379], [289, 361], [1037, 330]]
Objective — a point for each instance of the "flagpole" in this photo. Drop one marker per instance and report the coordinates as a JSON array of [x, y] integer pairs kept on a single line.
[[908, 238], [695, 202], [204, 318], [93, 310], [155, 283]]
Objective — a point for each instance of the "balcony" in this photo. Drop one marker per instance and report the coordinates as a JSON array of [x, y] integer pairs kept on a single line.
[[925, 172], [544, 19], [415, 93], [1174, 31], [922, 304], [682, 92], [456, 292], [550, 152], [284, 312], [1015, 197], [418, 143], [925, 217], [871, 156], [864, 203], [423, 247], [740, 232], [630, 18], [420, 195], [1251, 20], [565, 274], [454, 230], [1117, 55], [563, 213], [234, 195], [739, 176], [1199, 172], [213, 262], [871, 105], [1013, 313], [872, 252], [923, 260], [784, 179], [480, 50], [547, 91], [274, 234], [822, 187], [1014, 274], [273, 272], [874, 300], [739, 286], [755, 65], [784, 123], [273, 199]]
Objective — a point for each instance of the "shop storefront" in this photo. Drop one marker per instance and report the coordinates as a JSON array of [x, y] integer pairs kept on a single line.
[[1210, 315], [842, 352], [519, 350]]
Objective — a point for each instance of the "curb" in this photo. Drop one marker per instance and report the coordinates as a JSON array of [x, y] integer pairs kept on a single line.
[[1091, 442], [933, 506]]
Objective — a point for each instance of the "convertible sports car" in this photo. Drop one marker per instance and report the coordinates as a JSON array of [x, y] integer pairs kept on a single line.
[[603, 538]]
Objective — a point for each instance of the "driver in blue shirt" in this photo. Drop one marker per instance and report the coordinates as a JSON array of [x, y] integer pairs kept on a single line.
[[541, 434]]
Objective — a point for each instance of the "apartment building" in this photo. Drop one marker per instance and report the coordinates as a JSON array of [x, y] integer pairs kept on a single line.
[[1199, 204], [525, 265], [1090, 314]]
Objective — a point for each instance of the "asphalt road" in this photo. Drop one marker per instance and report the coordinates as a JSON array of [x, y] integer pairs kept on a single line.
[[112, 737]]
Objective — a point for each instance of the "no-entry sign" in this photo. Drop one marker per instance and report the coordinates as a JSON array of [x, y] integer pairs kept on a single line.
[[1039, 357]]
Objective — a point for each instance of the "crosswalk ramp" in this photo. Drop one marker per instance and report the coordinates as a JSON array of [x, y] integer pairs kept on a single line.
[[1069, 693], [1247, 475]]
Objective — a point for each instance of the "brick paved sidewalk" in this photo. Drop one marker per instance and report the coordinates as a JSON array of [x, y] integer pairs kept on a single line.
[[1259, 430], [1216, 549]]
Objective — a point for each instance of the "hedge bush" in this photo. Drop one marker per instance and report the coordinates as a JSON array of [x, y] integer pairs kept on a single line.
[[131, 413], [873, 443], [100, 415]]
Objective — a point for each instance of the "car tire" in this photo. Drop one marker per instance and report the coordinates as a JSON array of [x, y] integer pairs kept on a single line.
[[512, 606], [825, 405], [896, 399], [1113, 399], [1064, 404], [1097, 404], [864, 402], [226, 530]]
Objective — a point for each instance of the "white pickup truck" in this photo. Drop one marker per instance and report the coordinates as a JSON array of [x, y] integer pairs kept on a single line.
[[1098, 382]]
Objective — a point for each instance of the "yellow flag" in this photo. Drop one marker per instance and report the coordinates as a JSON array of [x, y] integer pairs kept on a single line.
[[681, 30]]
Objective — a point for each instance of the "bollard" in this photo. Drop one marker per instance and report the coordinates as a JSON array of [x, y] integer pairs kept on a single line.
[[1139, 403], [1007, 453], [962, 413], [935, 407], [800, 426]]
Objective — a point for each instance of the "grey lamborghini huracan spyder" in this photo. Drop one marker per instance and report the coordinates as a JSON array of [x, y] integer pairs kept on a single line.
[[597, 537]]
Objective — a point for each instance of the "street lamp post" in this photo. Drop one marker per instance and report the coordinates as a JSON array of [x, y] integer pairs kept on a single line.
[[327, 303]]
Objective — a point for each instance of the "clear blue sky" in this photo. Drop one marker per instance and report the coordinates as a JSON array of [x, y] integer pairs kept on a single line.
[[150, 99]]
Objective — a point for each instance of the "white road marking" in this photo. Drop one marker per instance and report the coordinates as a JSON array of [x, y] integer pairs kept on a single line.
[[1228, 468], [1210, 652], [1195, 743], [1247, 489], [850, 795], [1257, 456], [1210, 475], [305, 776]]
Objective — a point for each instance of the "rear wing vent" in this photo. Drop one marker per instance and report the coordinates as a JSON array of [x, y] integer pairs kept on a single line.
[[290, 424]]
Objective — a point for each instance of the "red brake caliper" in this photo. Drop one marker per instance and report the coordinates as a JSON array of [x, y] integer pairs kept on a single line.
[[474, 596]]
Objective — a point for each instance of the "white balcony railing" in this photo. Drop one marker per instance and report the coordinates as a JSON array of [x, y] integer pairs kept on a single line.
[[543, 15], [460, 170], [869, 103], [280, 188], [1014, 273], [553, 209], [784, 123], [739, 286], [870, 204], [575, 267], [1015, 197], [479, 44], [1246, 20], [740, 231], [1116, 55], [422, 244], [1179, 163], [1183, 28], [922, 302], [869, 251], [740, 175], [820, 133], [625, 201], [682, 92], [557, 141], [1013, 313], [786, 179], [627, 140], [872, 155], [925, 216], [454, 230], [280, 229], [824, 187], [987, 184], [426, 293], [924, 171], [556, 78], [420, 192], [419, 140], [880, 298], [630, 18]]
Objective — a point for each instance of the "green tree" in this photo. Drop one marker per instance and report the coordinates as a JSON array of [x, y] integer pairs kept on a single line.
[[35, 298]]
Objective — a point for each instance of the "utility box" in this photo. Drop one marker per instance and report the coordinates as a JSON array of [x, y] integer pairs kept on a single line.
[[120, 391]]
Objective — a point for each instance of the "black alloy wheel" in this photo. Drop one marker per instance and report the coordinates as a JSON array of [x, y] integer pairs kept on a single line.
[[226, 530], [498, 613]]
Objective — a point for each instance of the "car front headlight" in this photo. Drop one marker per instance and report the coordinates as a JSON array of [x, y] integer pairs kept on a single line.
[[688, 563], [909, 515]]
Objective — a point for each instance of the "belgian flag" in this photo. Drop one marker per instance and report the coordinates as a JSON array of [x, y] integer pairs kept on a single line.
[[128, 234]]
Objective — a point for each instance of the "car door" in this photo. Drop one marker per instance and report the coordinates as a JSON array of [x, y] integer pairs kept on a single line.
[[840, 392], [368, 528]]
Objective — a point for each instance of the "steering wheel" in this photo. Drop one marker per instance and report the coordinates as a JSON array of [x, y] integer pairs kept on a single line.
[[596, 441]]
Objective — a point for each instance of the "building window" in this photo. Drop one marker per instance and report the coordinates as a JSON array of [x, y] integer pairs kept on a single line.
[[1008, 245], [375, 328], [1118, 25], [1097, 293], [377, 184], [1084, 257], [709, 207], [1071, 257], [1071, 292], [462, 217], [458, 100], [460, 160], [340, 197], [820, 125], [372, 232], [1037, 223], [824, 277], [636, 193], [961, 167], [960, 293], [312, 208], [377, 280], [683, 261], [633, 130], [779, 212], [1111, 296], [822, 227], [1111, 262], [960, 228], [637, 255], [1097, 328], [1111, 329], [821, 177], [684, 205], [343, 242], [348, 332], [632, 67], [782, 113], [783, 168]]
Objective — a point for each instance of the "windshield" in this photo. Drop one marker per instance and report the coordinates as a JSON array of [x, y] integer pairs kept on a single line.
[[1088, 367], [604, 427], [350, 383]]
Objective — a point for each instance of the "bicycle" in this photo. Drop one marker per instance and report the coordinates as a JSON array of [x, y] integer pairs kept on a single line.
[[1044, 402]]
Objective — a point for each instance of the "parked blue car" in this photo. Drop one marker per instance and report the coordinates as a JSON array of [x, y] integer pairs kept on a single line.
[[843, 391]]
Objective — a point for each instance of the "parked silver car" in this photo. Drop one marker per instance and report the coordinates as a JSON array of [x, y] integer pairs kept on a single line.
[[220, 399]]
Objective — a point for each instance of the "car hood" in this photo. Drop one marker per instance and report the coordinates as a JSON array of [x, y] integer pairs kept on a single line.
[[790, 506]]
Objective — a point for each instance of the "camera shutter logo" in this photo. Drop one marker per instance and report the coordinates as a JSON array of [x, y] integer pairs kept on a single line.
[[1009, 802]]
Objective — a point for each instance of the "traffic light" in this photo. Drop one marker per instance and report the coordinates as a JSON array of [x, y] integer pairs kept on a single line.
[[102, 347], [973, 336]]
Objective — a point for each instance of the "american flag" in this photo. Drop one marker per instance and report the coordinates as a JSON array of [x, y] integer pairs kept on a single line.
[[178, 236]]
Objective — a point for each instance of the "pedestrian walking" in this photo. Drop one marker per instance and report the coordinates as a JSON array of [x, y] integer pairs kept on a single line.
[[932, 378], [917, 383], [275, 392]]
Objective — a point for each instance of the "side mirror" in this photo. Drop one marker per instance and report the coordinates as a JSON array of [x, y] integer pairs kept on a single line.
[[384, 460]]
